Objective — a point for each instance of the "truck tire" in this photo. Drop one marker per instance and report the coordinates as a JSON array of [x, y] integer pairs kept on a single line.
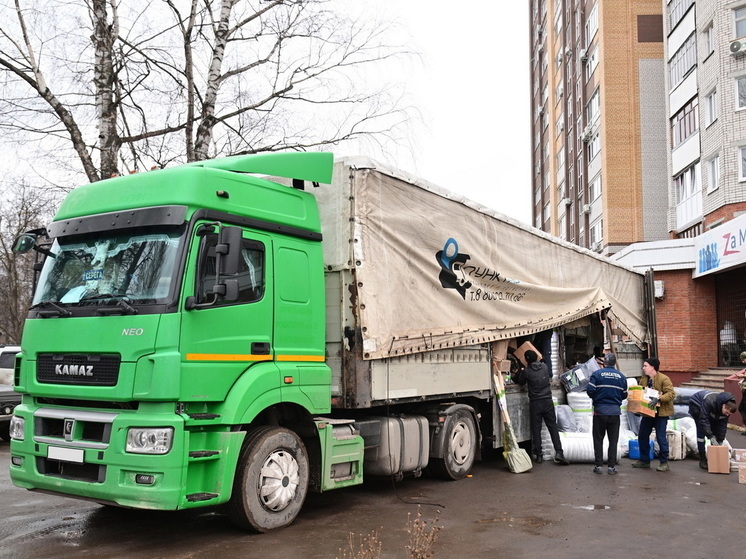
[[459, 450], [271, 480]]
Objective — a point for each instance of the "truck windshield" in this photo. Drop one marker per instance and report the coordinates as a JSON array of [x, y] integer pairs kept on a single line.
[[133, 268]]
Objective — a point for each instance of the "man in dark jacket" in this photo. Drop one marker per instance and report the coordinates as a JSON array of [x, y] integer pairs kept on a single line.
[[607, 388], [541, 406], [710, 411]]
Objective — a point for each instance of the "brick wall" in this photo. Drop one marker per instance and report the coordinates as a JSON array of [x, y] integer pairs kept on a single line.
[[724, 213], [686, 318]]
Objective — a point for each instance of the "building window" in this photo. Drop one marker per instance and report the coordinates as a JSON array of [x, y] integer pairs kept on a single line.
[[676, 11], [711, 108], [742, 165], [591, 64], [710, 38], [741, 93], [558, 18], [545, 213], [685, 123], [740, 20], [593, 108], [594, 146], [713, 174], [687, 183], [683, 61], [591, 25], [597, 234], [594, 189]]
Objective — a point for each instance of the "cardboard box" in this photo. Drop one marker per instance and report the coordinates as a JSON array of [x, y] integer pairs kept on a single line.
[[634, 393], [739, 455], [742, 475], [718, 459], [640, 407], [524, 347]]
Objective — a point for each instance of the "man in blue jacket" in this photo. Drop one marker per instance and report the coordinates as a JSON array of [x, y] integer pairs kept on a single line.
[[710, 411], [607, 388]]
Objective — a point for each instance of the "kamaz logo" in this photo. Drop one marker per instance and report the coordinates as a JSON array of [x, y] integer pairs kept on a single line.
[[74, 370]]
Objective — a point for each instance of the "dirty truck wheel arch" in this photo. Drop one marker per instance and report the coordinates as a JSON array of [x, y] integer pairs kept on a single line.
[[460, 446], [271, 480]]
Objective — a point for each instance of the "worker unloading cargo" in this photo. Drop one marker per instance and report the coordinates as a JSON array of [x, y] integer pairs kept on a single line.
[[541, 406], [711, 410]]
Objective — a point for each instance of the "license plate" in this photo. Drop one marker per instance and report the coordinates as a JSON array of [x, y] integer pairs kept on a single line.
[[65, 454]]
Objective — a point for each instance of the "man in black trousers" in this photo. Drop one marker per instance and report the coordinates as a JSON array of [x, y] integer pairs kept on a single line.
[[537, 376], [607, 388]]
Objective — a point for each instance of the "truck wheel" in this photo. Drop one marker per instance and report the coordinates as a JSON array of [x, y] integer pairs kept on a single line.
[[459, 450], [271, 480]]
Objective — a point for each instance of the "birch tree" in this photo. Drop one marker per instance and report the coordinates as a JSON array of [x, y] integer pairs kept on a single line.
[[129, 85]]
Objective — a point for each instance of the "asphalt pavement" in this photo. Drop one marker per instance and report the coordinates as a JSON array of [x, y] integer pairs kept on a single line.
[[551, 511]]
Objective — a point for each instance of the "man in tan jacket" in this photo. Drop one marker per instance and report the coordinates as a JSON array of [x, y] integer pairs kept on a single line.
[[664, 410]]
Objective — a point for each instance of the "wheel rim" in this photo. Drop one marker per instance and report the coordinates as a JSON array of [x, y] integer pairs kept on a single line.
[[278, 482], [461, 443]]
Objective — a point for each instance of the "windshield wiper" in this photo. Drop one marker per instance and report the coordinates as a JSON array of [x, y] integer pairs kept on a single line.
[[122, 307], [55, 311], [98, 296]]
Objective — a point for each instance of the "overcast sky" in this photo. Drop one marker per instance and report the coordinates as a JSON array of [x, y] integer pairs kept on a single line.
[[473, 90]]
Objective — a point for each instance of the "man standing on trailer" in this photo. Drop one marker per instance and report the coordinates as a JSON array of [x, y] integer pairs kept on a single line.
[[541, 406], [607, 388]]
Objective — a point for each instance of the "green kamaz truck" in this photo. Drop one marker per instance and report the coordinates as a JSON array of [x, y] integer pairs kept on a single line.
[[240, 331]]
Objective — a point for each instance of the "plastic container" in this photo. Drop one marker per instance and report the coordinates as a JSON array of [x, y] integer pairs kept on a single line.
[[634, 450]]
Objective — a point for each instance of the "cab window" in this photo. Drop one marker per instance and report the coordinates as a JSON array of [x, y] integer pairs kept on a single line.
[[251, 277]]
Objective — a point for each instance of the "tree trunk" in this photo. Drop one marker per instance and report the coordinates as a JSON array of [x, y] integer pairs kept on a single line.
[[104, 36], [207, 119]]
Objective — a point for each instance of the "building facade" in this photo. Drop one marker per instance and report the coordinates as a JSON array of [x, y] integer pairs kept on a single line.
[[702, 310], [599, 121]]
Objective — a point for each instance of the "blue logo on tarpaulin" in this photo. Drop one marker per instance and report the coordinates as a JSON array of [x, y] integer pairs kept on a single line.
[[450, 262]]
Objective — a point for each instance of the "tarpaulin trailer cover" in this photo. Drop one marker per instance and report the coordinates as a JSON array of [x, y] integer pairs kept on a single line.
[[434, 270]]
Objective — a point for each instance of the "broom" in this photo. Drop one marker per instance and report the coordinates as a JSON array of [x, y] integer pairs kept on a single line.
[[518, 459]]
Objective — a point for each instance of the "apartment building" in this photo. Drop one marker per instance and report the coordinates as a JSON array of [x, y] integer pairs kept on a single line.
[[599, 121], [701, 304]]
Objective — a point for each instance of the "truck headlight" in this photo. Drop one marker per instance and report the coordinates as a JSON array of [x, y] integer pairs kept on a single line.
[[16, 427], [149, 440]]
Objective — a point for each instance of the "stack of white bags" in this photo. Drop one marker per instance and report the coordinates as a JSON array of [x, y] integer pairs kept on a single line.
[[575, 421]]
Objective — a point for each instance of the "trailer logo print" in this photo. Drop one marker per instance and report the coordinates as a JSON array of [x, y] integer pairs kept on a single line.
[[476, 283], [451, 262]]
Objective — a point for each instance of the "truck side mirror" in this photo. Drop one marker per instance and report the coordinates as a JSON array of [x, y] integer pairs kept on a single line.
[[24, 243], [229, 249], [28, 241]]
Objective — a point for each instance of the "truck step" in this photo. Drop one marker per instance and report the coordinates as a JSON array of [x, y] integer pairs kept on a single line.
[[203, 453], [201, 497], [204, 415]]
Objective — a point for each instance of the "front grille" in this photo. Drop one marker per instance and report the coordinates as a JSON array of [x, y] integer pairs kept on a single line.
[[78, 369], [92, 473], [88, 431], [95, 404]]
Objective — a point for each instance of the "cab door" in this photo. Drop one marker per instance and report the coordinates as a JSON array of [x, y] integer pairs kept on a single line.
[[221, 339]]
